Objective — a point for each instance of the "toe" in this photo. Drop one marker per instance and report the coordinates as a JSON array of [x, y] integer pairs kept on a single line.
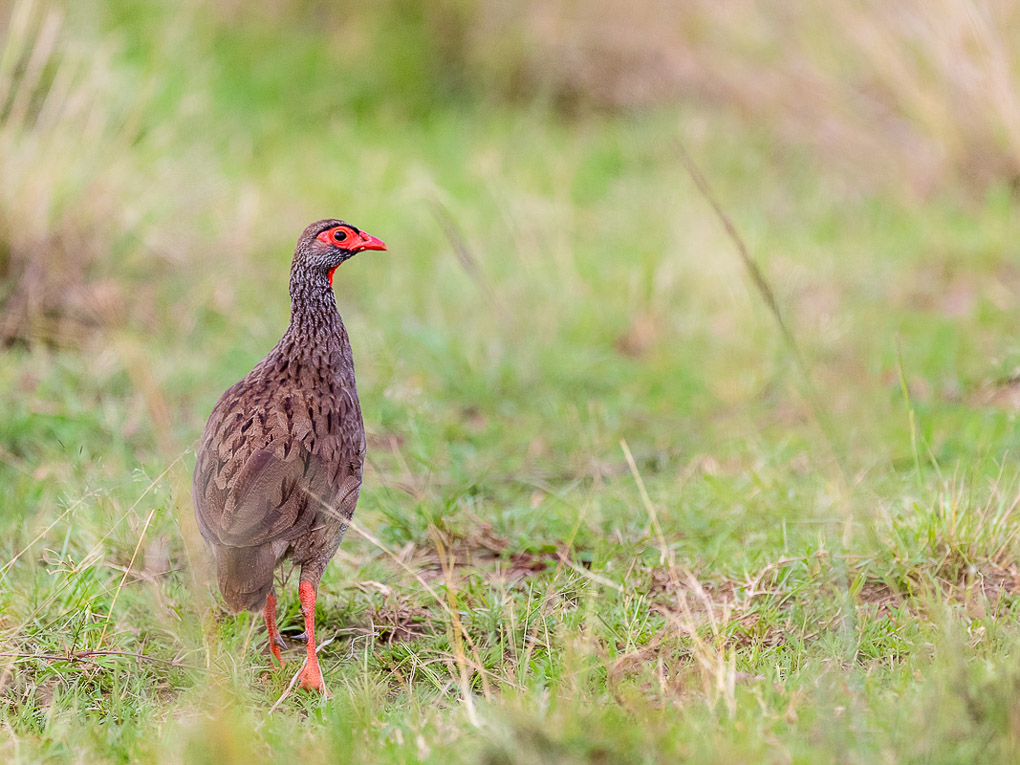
[[311, 680]]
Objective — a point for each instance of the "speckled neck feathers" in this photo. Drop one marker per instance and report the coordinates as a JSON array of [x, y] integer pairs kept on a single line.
[[313, 311]]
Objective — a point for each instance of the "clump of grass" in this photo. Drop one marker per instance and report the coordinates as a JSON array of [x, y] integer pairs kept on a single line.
[[960, 538]]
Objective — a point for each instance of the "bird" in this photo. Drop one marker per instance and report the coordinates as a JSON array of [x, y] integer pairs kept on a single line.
[[279, 466]]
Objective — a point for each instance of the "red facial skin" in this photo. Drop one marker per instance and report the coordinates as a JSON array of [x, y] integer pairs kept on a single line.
[[349, 239]]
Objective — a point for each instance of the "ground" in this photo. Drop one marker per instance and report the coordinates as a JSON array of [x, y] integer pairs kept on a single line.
[[610, 514]]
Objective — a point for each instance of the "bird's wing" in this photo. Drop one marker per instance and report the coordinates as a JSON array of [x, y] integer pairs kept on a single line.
[[272, 497], [247, 474], [275, 498], [263, 473]]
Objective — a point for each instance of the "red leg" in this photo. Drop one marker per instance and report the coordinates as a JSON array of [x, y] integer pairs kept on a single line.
[[311, 676], [269, 612]]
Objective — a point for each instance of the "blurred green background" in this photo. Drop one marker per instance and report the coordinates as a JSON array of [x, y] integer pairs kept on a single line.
[[610, 514]]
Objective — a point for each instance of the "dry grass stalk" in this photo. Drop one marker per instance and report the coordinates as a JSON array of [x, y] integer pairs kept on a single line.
[[85, 184], [905, 92]]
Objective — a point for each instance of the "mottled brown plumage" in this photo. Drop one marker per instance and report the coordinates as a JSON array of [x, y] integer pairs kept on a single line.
[[279, 466]]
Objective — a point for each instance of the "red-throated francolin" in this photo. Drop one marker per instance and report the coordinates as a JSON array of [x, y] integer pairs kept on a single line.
[[279, 466]]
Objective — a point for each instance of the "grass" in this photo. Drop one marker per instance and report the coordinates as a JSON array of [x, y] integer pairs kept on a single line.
[[602, 520], [908, 95]]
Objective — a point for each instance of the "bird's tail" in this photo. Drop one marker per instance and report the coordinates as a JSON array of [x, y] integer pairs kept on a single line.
[[245, 575]]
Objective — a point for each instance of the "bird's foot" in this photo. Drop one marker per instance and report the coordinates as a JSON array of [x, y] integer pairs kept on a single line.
[[311, 679]]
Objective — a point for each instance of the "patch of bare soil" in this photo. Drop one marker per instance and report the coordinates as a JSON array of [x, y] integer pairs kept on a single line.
[[485, 550], [396, 622]]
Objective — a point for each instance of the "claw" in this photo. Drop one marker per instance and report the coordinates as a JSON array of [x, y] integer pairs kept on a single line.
[[278, 640], [302, 636]]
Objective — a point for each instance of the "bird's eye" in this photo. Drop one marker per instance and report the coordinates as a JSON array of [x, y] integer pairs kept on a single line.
[[340, 235]]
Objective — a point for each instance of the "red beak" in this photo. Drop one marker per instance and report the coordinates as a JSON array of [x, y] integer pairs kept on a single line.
[[367, 242]]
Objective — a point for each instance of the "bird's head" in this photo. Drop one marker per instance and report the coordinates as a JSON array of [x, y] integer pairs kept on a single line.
[[326, 244]]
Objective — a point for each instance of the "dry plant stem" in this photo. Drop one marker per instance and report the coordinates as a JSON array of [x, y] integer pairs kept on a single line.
[[155, 482], [768, 295], [120, 586], [653, 515], [86, 655], [442, 603], [252, 623], [396, 558], [758, 279], [141, 537], [459, 632], [718, 665], [588, 574], [44, 532], [465, 257], [905, 390]]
